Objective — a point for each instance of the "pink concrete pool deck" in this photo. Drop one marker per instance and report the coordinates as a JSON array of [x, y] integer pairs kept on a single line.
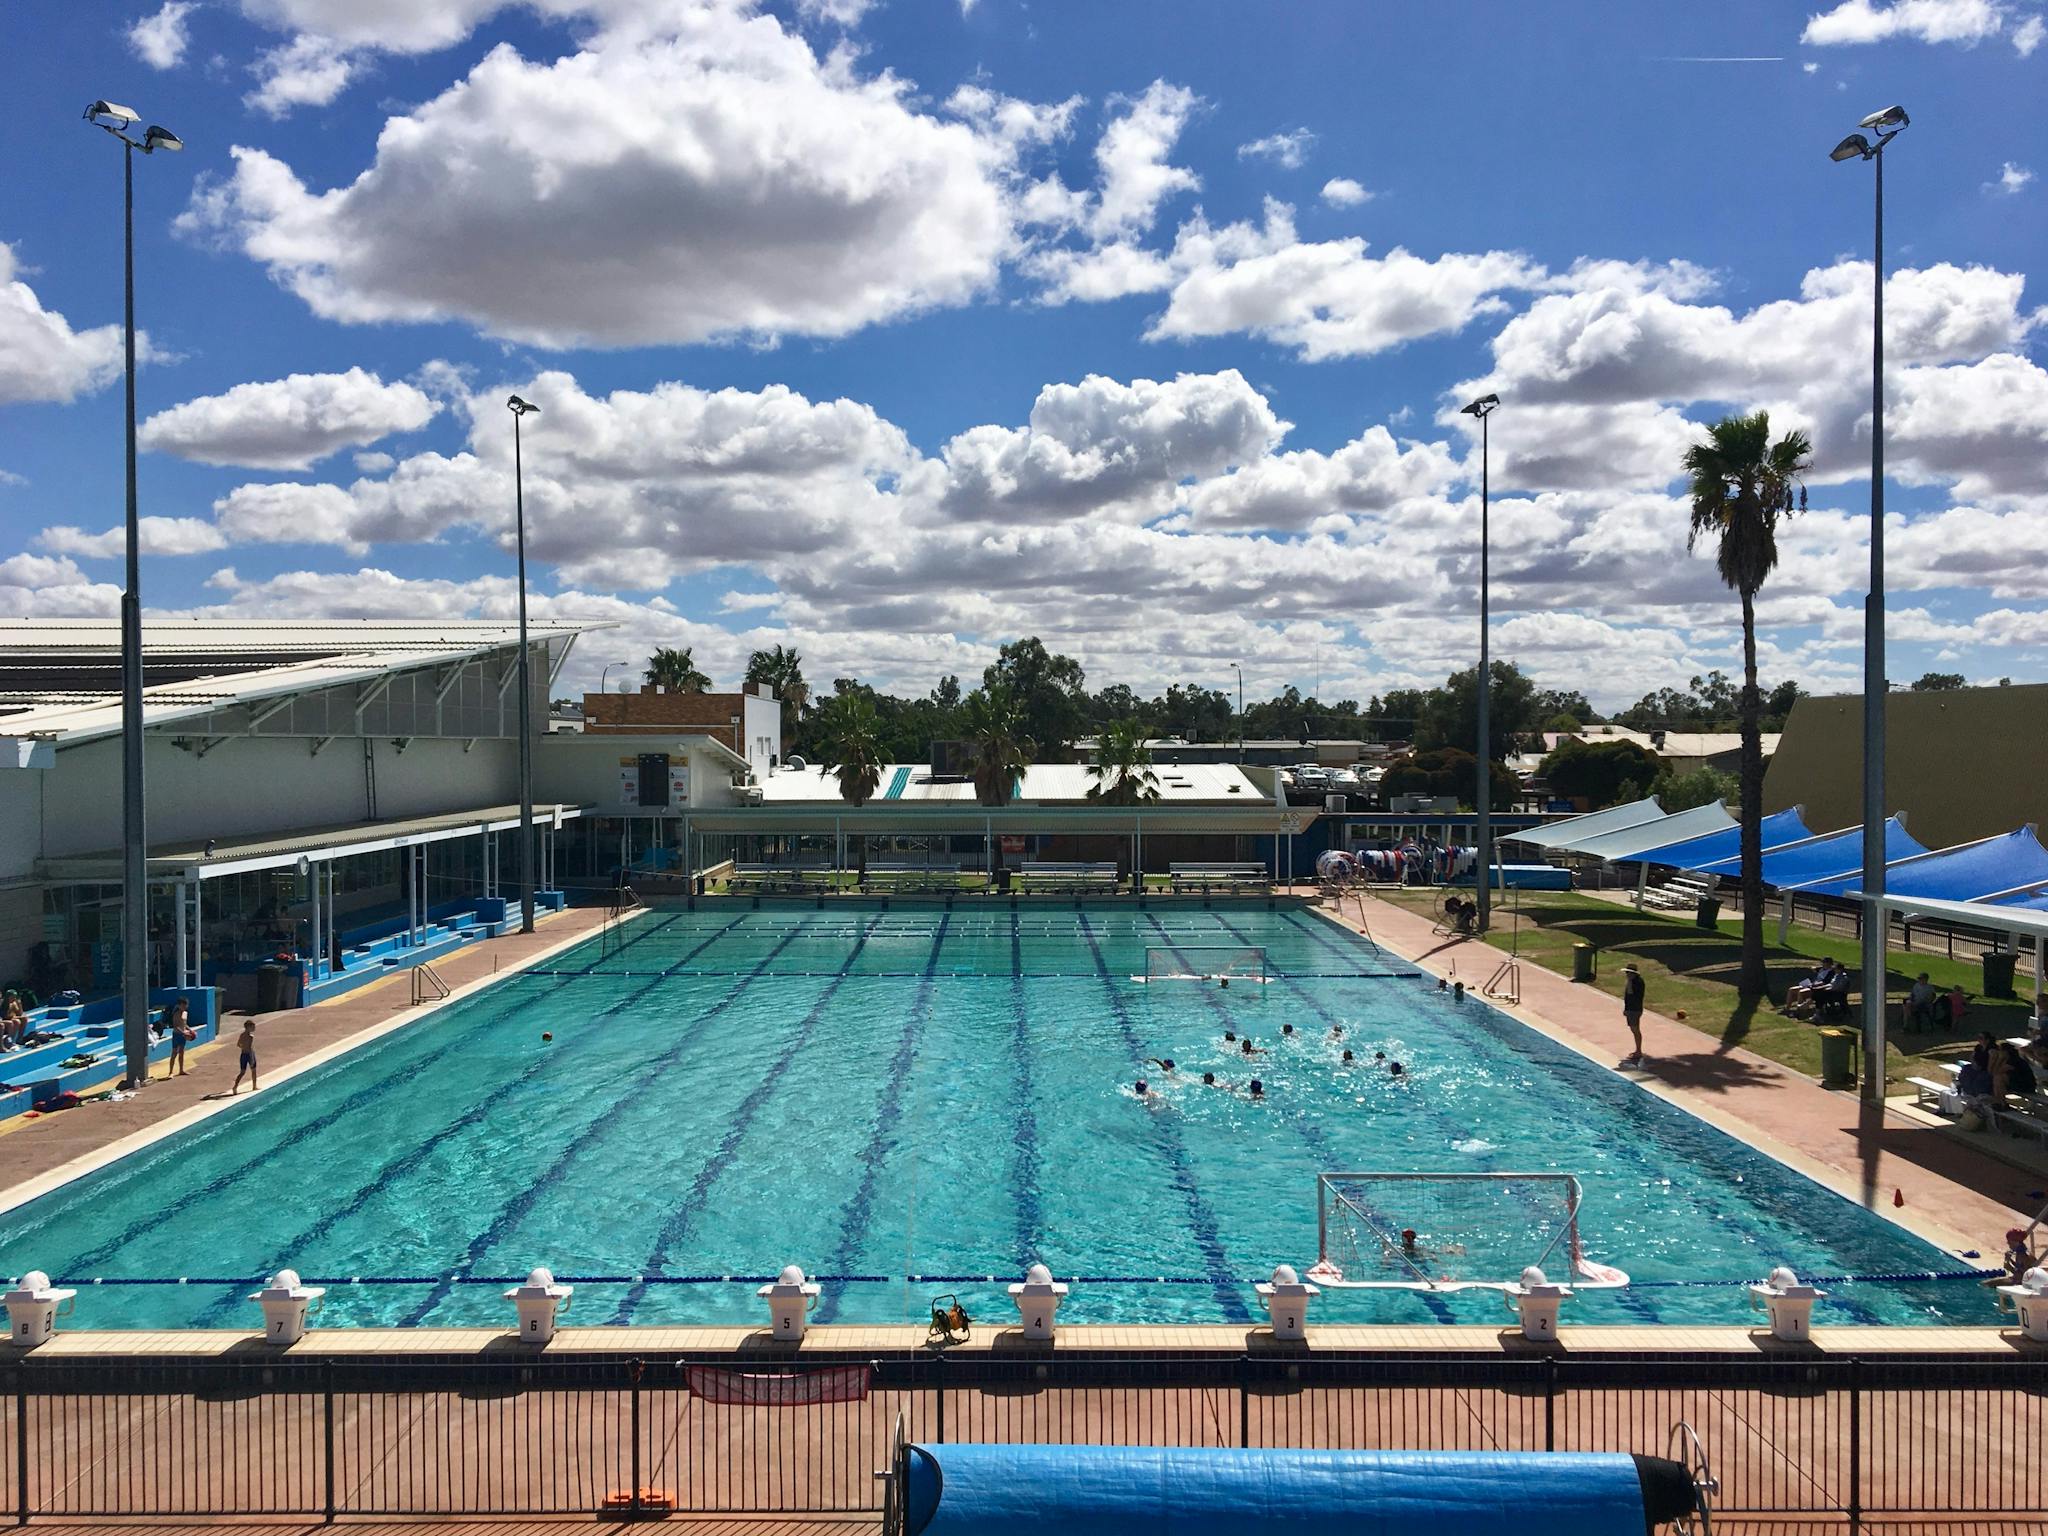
[[1887, 1161]]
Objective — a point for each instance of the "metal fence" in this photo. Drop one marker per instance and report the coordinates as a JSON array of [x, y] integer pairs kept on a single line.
[[1809, 1437]]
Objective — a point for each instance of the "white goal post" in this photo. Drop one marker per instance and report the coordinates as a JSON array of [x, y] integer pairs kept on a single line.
[[1216, 965], [1451, 1231]]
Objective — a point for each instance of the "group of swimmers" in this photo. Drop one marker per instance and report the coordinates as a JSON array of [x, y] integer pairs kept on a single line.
[[1247, 1047]]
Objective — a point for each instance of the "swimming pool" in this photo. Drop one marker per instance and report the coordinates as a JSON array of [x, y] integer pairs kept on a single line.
[[891, 1091]]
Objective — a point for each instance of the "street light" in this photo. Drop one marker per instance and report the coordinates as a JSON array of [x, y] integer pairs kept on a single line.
[[519, 409], [1239, 666], [1888, 125], [116, 120], [607, 672], [1482, 408]]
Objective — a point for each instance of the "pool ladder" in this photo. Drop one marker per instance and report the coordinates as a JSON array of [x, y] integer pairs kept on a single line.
[[427, 985]]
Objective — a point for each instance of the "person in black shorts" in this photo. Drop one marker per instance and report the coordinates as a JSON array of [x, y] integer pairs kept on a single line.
[[1632, 1011]]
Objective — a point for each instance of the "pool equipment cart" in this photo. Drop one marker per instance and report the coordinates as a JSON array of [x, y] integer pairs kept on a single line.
[[1103, 1490], [538, 1303], [1789, 1304], [1449, 1231], [1038, 1297], [286, 1304], [34, 1306], [790, 1298]]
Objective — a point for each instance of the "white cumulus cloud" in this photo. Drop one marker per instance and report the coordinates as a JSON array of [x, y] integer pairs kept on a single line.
[[718, 181], [41, 356], [2012, 180], [158, 536], [1967, 22], [288, 423], [1343, 192], [160, 40]]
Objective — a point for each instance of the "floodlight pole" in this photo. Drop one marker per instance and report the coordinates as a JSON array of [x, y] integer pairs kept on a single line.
[[114, 120], [519, 409], [134, 838], [1240, 711], [1484, 408], [1876, 919]]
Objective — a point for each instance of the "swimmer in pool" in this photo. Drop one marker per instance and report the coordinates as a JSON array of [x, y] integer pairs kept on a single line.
[[1286, 1029], [1336, 1031], [1458, 992], [1442, 985], [1209, 1079], [1258, 1089], [1230, 1037], [1395, 1069], [1379, 1055], [1347, 1058], [1247, 1048], [1163, 1063]]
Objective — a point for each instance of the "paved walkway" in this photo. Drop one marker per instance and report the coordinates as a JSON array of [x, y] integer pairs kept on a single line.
[[287, 1041], [1950, 1193]]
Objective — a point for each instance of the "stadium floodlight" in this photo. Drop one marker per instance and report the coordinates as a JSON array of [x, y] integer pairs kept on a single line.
[[521, 409], [112, 118], [1888, 124], [1482, 409]]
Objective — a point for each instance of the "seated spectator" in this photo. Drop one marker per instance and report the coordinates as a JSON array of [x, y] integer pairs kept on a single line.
[[1958, 1005], [2010, 1074], [1805, 994], [2040, 1020], [1834, 1002], [13, 1017], [1920, 1010]]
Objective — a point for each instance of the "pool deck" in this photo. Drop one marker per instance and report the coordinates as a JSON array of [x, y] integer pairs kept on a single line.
[[52, 1149], [1889, 1162]]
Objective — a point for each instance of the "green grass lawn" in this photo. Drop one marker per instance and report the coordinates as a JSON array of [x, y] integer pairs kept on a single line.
[[1693, 969]]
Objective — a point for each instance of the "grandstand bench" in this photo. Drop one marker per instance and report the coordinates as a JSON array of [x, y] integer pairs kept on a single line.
[[1224, 876]]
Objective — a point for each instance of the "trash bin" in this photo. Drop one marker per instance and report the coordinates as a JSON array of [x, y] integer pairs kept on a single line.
[[1837, 1056], [1003, 873], [270, 988], [1584, 966], [1708, 913], [1998, 966]]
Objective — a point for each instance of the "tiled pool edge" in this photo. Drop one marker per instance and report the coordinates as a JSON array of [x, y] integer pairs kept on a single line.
[[86, 1163], [1836, 1181], [908, 1341]]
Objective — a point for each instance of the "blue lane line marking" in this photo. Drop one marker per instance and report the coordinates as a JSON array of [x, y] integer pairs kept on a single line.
[[678, 1220], [1201, 1219], [1030, 1207], [391, 1168], [481, 1020], [861, 1207], [516, 1209], [1319, 1146]]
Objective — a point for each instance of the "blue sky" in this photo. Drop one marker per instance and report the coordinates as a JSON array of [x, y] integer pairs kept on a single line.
[[895, 330]]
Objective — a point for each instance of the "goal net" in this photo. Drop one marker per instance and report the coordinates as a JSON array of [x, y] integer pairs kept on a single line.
[[1450, 1231], [1215, 965]]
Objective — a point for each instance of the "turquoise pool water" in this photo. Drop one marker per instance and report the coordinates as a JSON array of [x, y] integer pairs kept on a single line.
[[883, 1092]]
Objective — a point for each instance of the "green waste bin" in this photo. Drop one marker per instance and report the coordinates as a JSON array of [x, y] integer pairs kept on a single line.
[[1583, 966], [1837, 1056], [1998, 966], [1708, 913]]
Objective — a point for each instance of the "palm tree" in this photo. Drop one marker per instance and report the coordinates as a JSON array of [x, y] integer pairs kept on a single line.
[[1741, 484], [675, 669], [993, 726], [850, 733], [783, 670], [1122, 769]]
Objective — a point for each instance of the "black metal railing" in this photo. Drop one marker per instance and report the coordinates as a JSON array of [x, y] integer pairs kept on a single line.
[[1807, 1437]]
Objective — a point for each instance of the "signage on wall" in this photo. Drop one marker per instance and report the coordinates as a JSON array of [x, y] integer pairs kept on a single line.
[[678, 782]]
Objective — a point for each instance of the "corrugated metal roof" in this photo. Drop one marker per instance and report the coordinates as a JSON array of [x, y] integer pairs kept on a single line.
[[60, 678]]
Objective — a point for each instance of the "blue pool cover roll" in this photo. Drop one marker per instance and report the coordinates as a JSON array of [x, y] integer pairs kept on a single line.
[[1088, 1490]]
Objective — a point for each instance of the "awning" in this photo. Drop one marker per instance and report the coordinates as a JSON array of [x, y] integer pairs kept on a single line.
[[283, 850], [1557, 834], [1627, 843], [1726, 842], [1966, 872], [2031, 921], [1823, 856]]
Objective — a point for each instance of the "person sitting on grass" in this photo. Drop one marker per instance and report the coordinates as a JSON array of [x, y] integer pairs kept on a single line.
[[1958, 1005]]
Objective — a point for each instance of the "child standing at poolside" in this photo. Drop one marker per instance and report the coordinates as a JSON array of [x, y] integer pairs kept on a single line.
[[1632, 990], [246, 1044]]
